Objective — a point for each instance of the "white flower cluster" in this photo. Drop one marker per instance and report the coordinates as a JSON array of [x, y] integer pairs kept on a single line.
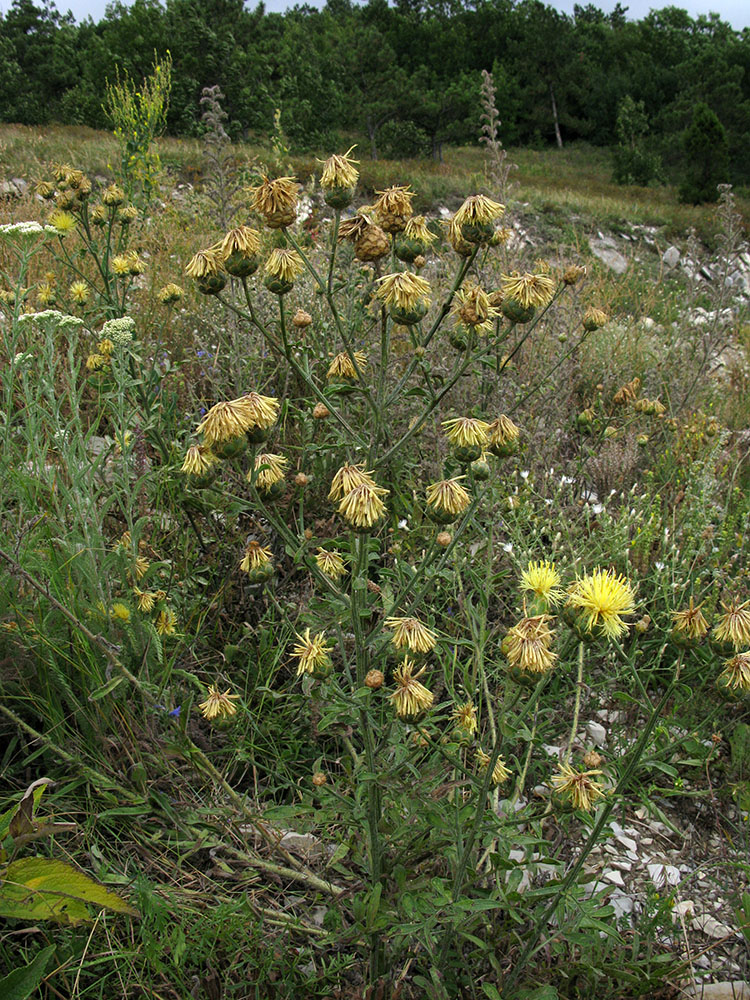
[[62, 320], [21, 229], [119, 331]]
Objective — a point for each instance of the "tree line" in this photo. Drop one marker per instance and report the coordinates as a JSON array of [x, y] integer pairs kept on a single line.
[[405, 74]]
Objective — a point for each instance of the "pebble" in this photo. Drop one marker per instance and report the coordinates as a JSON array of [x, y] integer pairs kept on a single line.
[[597, 732], [711, 927], [736, 990]]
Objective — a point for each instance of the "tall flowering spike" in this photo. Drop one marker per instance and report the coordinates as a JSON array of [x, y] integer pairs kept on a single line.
[[690, 621], [736, 672], [276, 201], [581, 788], [734, 625], [343, 367], [603, 597], [411, 699], [541, 579], [393, 208], [411, 634], [527, 645], [448, 497], [476, 216], [256, 557], [224, 421], [500, 772], [471, 306], [465, 718], [528, 289], [262, 411], [312, 654], [348, 478], [199, 460], [330, 563], [362, 506], [218, 704]]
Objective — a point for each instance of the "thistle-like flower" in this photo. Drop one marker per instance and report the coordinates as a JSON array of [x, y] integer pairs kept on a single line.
[[312, 653], [262, 411], [242, 240], [145, 599], [166, 622], [256, 557], [471, 306], [462, 247], [198, 460], [268, 469], [393, 208], [527, 645], [121, 612], [467, 432], [581, 787], [412, 634], [339, 171], [627, 393], [528, 289], [594, 319], [362, 506], [734, 625], [416, 229], [448, 496], [411, 698], [478, 209], [573, 274], [170, 294], [502, 434], [690, 622], [343, 367], [348, 478], [79, 292], [204, 264], [225, 421], [736, 672], [465, 718], [543, 581], [603, 598], [276, 201], [500, 772], [403, 290], [284, 264], [62, 223], [218, 704], [330, 563]]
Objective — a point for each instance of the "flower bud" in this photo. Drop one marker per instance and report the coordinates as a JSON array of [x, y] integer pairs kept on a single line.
[[301, 479], [321, 411], [374, 679], [319, 779], [444, 539], [301, 319]]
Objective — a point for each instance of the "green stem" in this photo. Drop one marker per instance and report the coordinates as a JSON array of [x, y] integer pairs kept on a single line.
[[577, 707]]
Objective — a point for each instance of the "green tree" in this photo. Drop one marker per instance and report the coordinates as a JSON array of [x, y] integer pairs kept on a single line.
[[706, 157], [635, 163]]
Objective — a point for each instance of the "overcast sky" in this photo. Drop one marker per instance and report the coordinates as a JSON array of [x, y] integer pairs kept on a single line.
[[737, 12]]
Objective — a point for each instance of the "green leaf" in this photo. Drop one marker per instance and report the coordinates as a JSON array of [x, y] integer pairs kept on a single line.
[[45, 889], [21, 983], [107, 688]]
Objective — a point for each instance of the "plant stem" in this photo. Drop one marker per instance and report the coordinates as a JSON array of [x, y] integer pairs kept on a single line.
[[577, 706]]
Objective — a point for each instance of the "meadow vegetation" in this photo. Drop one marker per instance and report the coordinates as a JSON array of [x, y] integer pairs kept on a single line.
[[329, 523]]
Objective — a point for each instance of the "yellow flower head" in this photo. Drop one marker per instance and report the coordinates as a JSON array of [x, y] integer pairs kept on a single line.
[[105, 346], [403, 290], [225, 421], [268, 469], [628, 392], [456, 240], [478, 209], [140, 567], [113, 196], [736, 672], [121, 611], [330, 563], [166, 622], [354, 229], [528, 289], [500, 772], [256, 557], [145, 599], [170, 294], [580, 787], [448, 496], [62, 222], [339, 170], [412, 634], [471, 306], [45, 294], [542, 579], [527, 645], [410, 698], [594, 319], [734, 625], [262, 411], [690, 621], [284, 264], [121, 264], [393, 208], [465, 718], [95, 362], [573, 274], [416, 229], [312, 653], [343, 366], [362, 506], [348, 478], [276, 201], [218, 704], [465, 432], [204, 264], [242, 240], [79, 292], [603, 598]]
